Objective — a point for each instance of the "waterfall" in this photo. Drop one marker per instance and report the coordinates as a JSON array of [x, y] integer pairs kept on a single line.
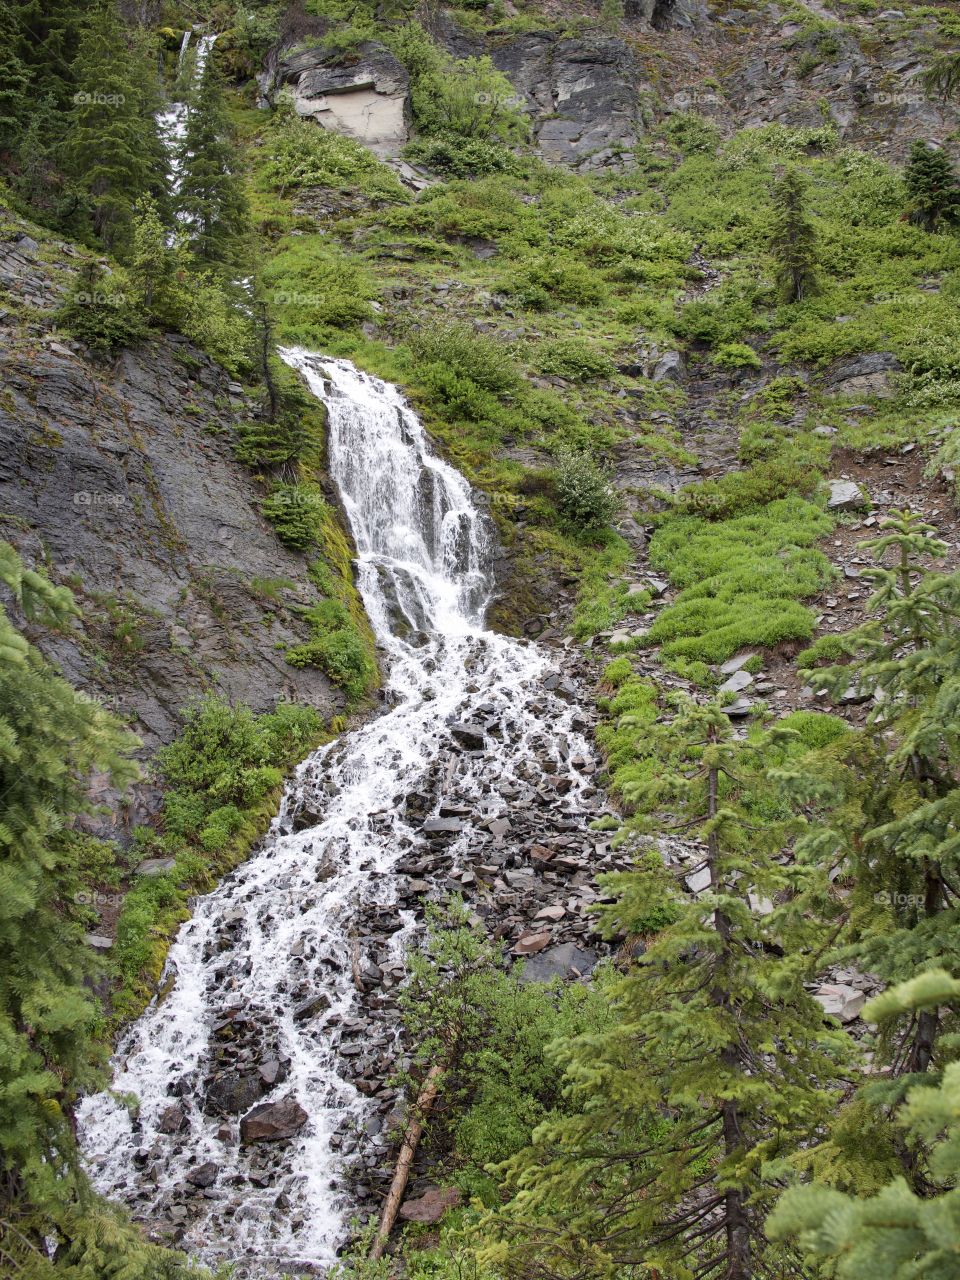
[[173, 122], [259, 1002]]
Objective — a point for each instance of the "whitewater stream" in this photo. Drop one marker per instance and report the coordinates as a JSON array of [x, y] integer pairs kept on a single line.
[[260, 1001]]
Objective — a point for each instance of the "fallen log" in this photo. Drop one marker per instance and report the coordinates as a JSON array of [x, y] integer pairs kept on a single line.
[[401, 1173]]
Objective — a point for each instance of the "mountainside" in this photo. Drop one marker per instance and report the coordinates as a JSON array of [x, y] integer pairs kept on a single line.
[[500, 463]]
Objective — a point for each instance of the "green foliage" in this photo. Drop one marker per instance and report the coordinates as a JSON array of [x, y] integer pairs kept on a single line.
[[933, 188], [211, 196], [113, 150], [692, 134], [576, 360], [102, 311], [464, 98], [469, 356], [585, 497], [793, 241], [338, 648], [297, 513], [895, 1234], [736, 355], [299, 155], [491, 1032], [741, 579], [52, 1044], [221, 777], [689, 1086], [463, 157]]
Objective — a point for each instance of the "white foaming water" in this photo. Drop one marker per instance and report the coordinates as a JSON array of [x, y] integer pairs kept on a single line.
[[288, 924], [173, 122]]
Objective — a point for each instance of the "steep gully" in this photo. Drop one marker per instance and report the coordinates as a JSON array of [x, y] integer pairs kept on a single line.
[[260, 1082]]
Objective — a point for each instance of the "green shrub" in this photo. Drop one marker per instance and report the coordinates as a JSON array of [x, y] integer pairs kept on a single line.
[[297, 513], [585, 497], [692, 134], [463, 157], [299, 154], [103, 312], [456, 348], [741, 580], [337, 648], [816, 729], [736, 355], [575, 359], [560, 277]]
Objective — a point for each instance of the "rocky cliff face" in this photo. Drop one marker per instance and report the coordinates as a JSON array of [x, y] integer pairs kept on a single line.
[[121, 480], [592, 97]]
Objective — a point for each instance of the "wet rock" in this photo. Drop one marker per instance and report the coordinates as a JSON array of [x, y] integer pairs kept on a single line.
[[273, 1121], [173, 1120], [864, 375], [273, 1071], [442, 827], [318, 1003], [431, 1206], [99, 941], [233, 1094], [205, 1175], [468, 735]]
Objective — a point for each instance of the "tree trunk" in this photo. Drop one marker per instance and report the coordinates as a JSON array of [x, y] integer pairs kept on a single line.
[[401, 1174]]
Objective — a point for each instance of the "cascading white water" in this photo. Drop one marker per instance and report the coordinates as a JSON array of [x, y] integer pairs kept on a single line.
[[172, 123], [285, 932]]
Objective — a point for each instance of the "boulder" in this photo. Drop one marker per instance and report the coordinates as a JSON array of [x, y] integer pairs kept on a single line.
[[273, 1121], [562, 961], [431, 1206], [864, 375], [365, 98], [172, 1120], [845, 495], [840, 1001], [530, 943], [205, 1175], [233, 1094], [669, 367]]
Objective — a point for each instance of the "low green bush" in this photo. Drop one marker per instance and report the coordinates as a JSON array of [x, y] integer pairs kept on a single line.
[[575, 359], [585, 496], [297, 513]]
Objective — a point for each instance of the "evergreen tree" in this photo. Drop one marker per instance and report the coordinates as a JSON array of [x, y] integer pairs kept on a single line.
[[51, 739], [113, 149], [211, 196], [718, 1062], [907, 860], [895, 1234], [15, 79], [933, 188], [793, 241], [943, 75]]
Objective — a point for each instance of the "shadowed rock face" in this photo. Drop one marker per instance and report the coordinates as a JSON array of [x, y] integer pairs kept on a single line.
[[120, 478]]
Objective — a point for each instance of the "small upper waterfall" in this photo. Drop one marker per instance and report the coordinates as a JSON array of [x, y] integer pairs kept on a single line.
[[260, 995], [173, 121]]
